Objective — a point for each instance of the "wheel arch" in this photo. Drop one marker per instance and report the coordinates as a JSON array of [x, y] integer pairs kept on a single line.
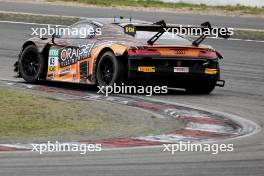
[[43, 51], [118, 53], [28, 43], [39, 43], [97, 58]]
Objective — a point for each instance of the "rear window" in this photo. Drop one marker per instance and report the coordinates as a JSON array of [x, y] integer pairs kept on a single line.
[[166, 38]]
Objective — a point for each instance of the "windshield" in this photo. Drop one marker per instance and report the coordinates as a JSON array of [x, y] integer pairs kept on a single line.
[[166, 38]]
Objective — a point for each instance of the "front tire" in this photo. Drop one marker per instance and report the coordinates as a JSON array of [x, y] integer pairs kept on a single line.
[[31, 64], [110, 70]]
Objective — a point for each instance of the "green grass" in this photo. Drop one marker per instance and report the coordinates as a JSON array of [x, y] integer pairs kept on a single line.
[[37, 18], [158, 4], [252, 35], [25, 116]]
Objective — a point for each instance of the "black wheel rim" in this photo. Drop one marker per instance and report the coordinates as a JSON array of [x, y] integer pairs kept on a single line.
[[30, 64], [107, 71]]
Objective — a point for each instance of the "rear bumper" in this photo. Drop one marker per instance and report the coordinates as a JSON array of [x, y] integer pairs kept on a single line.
[[166, 68]]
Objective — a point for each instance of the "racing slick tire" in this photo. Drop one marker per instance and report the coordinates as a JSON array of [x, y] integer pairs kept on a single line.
[[110, 70], [201, 87], [31, 64]]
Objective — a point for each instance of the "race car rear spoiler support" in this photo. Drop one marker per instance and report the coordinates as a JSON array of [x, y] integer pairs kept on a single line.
[[161, 31]]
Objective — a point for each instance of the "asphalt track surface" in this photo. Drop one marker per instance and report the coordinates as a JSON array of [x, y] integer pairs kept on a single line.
[[175, 18], [243, 96]]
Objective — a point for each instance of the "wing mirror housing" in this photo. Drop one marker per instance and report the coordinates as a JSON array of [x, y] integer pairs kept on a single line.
[[54, 36], [224, 35]]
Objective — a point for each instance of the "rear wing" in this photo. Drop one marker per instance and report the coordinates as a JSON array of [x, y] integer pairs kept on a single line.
[[161, 27]]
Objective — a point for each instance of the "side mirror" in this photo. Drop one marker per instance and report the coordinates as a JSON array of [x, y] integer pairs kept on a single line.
[[224, 34], [54, 35], [206, 25]]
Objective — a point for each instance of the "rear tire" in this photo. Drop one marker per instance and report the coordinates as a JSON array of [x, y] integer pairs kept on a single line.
[[110, 70], [201, 87], [31, 64]]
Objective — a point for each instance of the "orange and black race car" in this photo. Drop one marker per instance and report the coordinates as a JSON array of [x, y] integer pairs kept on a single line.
[[120, 52]]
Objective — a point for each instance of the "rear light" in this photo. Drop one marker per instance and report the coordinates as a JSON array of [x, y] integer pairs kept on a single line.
[[211, 71], [143, 52], [210, 54]]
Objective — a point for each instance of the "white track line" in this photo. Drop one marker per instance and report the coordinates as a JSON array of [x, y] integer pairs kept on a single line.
[[246, 40], [28, 23]]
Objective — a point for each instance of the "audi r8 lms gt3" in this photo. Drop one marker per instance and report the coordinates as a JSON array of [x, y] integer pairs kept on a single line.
[[117, 52]]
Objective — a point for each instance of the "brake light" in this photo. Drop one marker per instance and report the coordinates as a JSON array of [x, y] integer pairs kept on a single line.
[[211, 54], [143, 52]]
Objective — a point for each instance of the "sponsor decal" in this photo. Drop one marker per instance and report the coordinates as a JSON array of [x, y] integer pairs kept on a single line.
[[53, 60], [146, 69], [71, 55], [130, 29], [65, 72], [181, 69]]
